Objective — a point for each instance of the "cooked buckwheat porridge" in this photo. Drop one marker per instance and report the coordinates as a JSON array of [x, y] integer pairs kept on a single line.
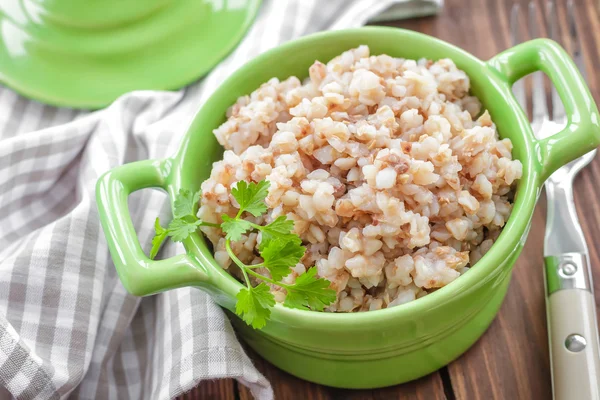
[[396, 181]]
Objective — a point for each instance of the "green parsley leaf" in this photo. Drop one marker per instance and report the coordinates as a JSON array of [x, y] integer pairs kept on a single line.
[[179, 229], [254, 305], [280, 228], [251, 196], [310, 292], [185, 203], [234, 228], [159, 237], [280, 256]]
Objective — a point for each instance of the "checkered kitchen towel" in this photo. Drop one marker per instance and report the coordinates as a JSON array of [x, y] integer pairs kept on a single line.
[[67, 325]]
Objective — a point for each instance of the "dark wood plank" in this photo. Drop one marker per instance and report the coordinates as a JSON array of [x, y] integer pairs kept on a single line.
[[222, 389], [288, 387]]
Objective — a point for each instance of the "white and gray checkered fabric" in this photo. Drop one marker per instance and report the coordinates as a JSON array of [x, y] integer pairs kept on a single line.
[[67, 325]]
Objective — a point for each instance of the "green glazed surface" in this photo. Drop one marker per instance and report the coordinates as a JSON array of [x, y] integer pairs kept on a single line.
[[85, 54], [383, 347]]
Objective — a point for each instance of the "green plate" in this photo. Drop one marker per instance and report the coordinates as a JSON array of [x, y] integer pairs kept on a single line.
[[86, 54]]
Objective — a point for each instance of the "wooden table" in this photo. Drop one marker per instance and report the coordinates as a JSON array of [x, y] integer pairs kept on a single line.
[[511, 360]]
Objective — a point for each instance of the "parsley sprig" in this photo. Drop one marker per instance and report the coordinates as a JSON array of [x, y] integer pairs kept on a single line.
[[279, 248], [183, 223]]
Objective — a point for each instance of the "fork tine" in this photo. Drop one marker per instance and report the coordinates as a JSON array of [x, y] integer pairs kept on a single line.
[[558, 111], [519, 86], [577, 57], [576, 44], [538, 97]]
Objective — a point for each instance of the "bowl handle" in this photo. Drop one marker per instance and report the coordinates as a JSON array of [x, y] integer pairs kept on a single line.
[[582, 133], [140, 275]]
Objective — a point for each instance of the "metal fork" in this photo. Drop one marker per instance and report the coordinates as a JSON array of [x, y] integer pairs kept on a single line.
[[571, 311]]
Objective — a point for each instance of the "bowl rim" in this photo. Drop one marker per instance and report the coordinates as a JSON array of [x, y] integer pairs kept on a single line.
[[488, 267]]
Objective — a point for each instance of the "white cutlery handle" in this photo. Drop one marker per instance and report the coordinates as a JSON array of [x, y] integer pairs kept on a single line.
[[574, 349]]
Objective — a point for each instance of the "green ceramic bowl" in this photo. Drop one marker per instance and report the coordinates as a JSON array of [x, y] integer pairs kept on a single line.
[[376, 348]]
